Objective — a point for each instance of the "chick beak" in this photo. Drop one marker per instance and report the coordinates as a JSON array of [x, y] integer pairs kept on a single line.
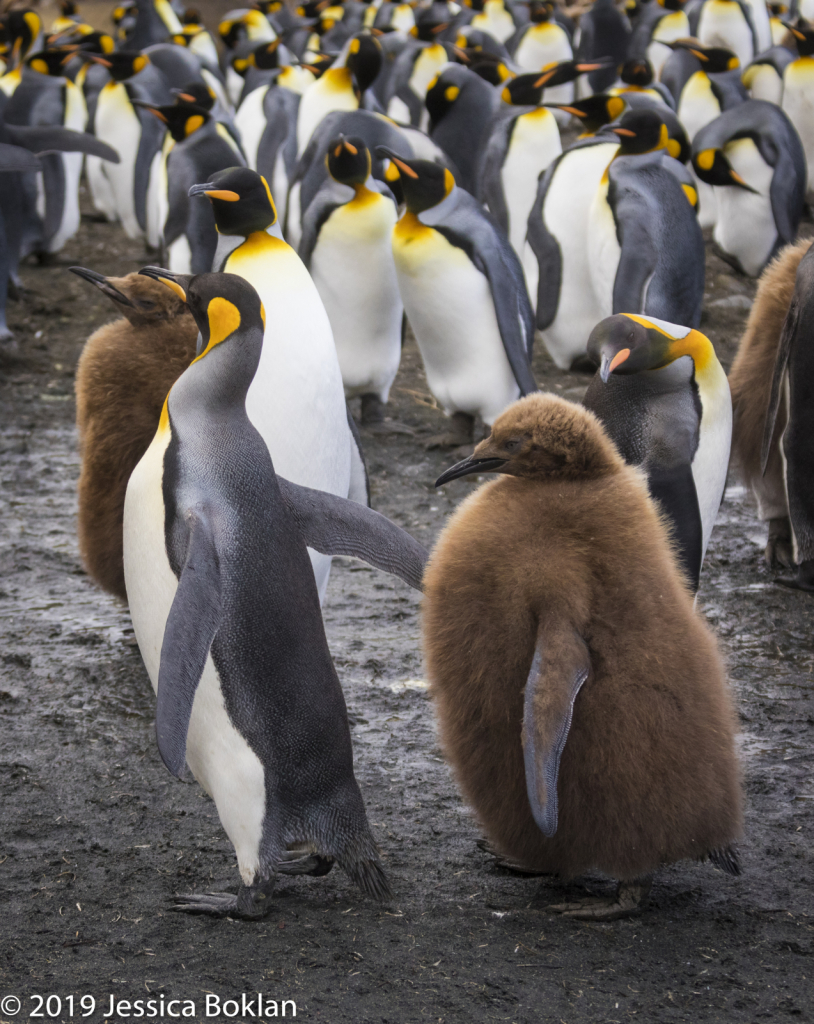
[[471, 465]]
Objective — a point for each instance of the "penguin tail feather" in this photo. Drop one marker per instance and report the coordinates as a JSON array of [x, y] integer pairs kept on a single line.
[[727, 859], [370, 877]]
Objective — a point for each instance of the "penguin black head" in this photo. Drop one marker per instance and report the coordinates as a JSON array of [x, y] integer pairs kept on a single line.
[[223, 306], [641, 131], [430, 23], [348, 160], [196, 94], [638, 72], [266, 57], [626, 343], [181, 120], [594, 112], [95, 42], [672, 5], [50, 62], [21, 31], [569, 70], [523, 91], [489, 67], [541, 437], [364, 59], [122, 64], [712, 167], [803, 35], [425, 184], [191, 16], [241, 200], [442, 93], [540, 12], [122, 11], [714, 59]]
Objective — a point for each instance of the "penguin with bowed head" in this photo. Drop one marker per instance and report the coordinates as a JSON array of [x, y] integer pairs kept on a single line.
[[346, 246], [663, 399], [560, 631], [753, 158], [227, 617], [465, 298], [122, 378], [296, 400]]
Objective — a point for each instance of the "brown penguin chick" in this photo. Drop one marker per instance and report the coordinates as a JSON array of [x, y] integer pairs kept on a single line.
[[123, 376], [582, 703], [750, 381]]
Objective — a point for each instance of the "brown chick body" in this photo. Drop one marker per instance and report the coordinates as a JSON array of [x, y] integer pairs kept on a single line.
[[750, 381], [574, 563], [123, 376]]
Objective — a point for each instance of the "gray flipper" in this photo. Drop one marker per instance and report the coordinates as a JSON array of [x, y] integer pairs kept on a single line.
[[191, 626], [674, 490], [490, 187], [338, 526], [330, 197], [638, 256], [60, 140], [780, 365], [359, 490], [15, 158], [546, 249], [561, 665]]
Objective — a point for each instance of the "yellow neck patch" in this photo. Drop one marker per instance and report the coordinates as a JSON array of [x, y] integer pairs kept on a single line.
[[224, 320], [694, 344]]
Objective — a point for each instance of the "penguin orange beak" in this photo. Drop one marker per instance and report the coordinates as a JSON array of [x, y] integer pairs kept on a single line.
[[468, 466], [608, 365]]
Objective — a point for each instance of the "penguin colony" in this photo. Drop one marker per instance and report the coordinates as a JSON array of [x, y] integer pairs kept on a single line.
[[308, 182]]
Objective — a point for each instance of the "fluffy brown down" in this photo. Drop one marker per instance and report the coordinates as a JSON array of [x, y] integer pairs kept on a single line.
[[123, 376], [649, 773], [750, 379]]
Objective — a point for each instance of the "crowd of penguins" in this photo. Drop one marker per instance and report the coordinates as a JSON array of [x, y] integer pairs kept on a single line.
[[310, 182]]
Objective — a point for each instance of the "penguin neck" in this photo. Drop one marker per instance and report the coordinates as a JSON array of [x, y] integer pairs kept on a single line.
[[213, 388], [251, 246], [698, 347]]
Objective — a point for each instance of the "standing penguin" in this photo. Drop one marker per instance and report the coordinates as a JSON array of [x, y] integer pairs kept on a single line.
[[464, 295], [542, 41], [798, 93], [346, 246], [604, 31], [663, 398], [523, 141], [658, 25], [582, 703], [227, 619], [727, 23], [296, 400], [754, 159]]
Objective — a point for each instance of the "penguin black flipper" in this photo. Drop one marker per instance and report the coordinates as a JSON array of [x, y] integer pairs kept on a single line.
[[638, 256], [330, 197], [546, 249], [465, 224], [337, 526], [15, 158], [490, 190], [674, 490], [63, 140], [560, 666], [191, 626]]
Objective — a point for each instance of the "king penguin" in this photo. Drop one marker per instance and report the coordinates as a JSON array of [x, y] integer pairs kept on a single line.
[[727, 23], [798, 93], [464, 294], [542, 41], [346, 246], [663, 398], [296, 400], [227, 618]]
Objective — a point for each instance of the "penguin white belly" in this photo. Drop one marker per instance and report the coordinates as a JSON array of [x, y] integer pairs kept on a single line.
[[495, 20], [234, 86], [674, 25], [450, 308], [698, 106], [179, 256], [279, 186], [333, 91], [427, 65], [534, 144], [722, 24], [76, 118], [398, 110], [543, 44], [745, 227], [604, 252], [101, 191], [353, 269], [158, 206], [217, 754], [296, 400], [798, 103], [251, 123], [566, 214], [117, 124], [759, 11], [711, 462], [293, 218], [765, 84]]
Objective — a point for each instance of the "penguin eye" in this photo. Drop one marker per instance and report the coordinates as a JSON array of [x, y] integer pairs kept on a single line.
[[513, 445]]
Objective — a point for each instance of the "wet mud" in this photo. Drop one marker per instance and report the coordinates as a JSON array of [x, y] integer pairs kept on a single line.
[[97, 836]]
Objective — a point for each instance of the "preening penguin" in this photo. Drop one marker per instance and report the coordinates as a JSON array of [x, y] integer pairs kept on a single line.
[[560, 632], [664, 401], [751, 381], [754, 159], [227, 617], [122, 378], [464, 295], [346, 245]]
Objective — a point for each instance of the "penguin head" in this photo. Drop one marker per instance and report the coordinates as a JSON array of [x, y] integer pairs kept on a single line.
[[364, 59], [266, 57], [139, 299], [541, 437], [241, 201], [348, 160], [443, 91], [21, 31], [50, 62], [196, 94], [490, 68], [637, 72], [226, 308], [192, 16], [594, 112], [540, 12], [523, 91], [641, 131], [803, 35], [714, 59], [424, 184], [122, 64], [563, 71], [626, 343], [181, 120], [712, 167], [95, 42], [672, 5], [431, 22]]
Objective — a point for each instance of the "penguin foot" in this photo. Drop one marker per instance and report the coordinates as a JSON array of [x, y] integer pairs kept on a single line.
[[461, 432], [507, 863], [779, 547], [295, 862], [372, 410], [804, 580], [250, 903], [629, 899]]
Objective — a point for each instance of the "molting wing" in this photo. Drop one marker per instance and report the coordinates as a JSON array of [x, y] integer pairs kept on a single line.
[[781, 362], [337, 526], [191, 626], [560, 666]]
